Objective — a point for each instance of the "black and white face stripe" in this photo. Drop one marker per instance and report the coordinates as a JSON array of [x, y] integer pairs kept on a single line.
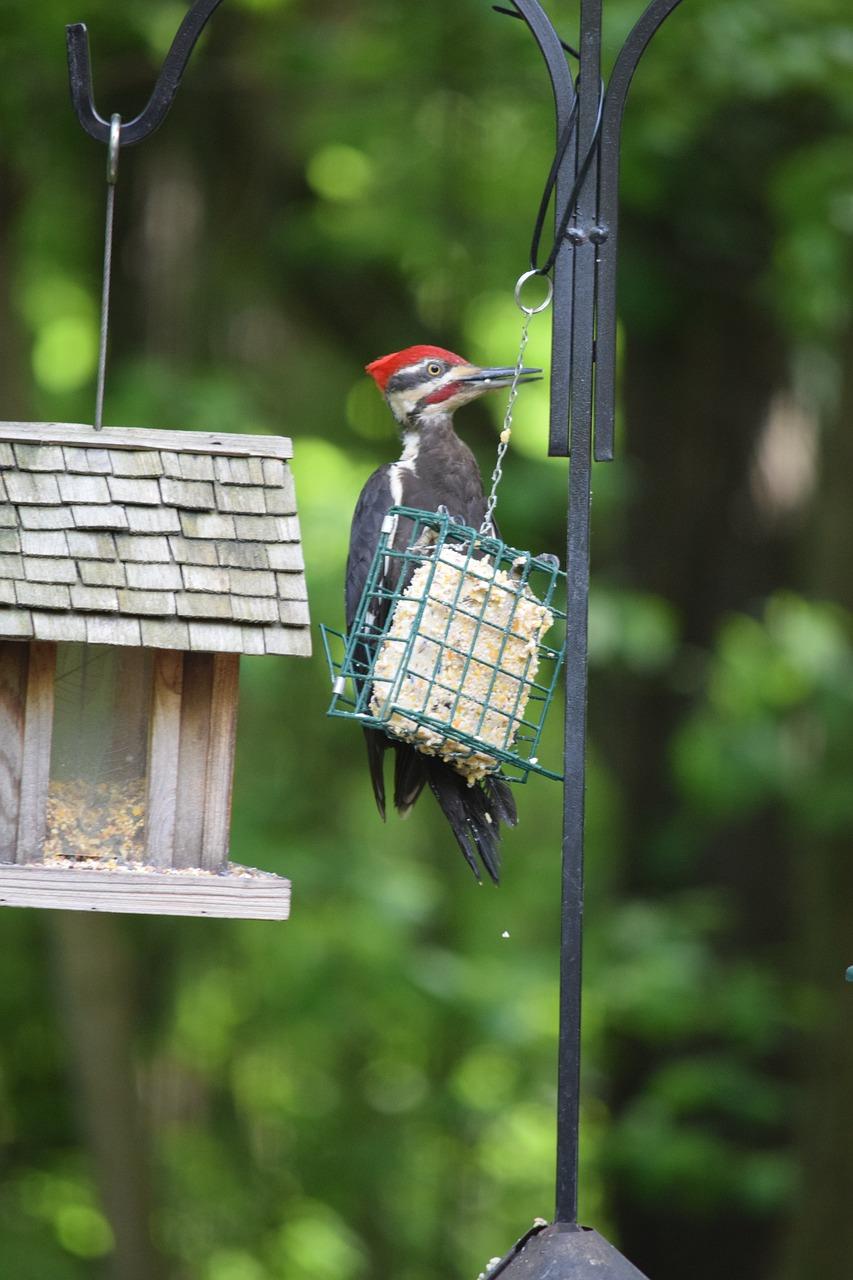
[[433, 388], [409, 390], [425, 372], [406, 379]]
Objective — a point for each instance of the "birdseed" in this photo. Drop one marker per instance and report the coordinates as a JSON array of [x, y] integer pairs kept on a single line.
[[95, 820]]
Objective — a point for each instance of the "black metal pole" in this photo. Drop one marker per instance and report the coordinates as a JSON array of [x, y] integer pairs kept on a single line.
[[583, 250], [583, 375]]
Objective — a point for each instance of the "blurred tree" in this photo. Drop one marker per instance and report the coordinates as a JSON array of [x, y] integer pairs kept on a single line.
[[369, 1090]]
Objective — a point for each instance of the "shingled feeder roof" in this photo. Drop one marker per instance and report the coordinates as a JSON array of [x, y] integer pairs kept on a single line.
[[162, 539]]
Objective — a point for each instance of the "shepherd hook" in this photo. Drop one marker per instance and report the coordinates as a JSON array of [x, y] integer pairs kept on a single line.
[[163, 95]]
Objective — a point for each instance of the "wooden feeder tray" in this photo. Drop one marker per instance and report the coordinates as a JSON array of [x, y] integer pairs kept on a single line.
[[238, 893]]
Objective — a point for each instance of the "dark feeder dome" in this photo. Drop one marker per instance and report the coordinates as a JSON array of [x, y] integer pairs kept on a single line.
[[563, 1252]]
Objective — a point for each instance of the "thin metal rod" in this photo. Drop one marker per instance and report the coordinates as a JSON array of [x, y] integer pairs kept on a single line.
[[112, 176], [611, 138], [162, 96]]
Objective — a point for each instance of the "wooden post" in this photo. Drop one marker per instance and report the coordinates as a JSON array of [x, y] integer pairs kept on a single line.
[[35, 763], [164, 743], [14, 661], [206, 760], [220, 760], [192, 759]]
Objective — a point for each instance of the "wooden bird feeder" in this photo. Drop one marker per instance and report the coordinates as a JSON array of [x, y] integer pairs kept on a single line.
[[136, 566]]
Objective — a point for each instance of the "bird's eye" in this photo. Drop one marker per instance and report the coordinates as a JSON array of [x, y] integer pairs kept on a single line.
[[434, 369]]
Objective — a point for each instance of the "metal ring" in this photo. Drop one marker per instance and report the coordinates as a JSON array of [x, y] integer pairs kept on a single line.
[[113, 149], [521, 282]]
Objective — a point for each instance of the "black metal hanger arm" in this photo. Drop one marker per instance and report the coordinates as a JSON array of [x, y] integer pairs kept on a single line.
[[163, 94], [608, 212], [562, 84]]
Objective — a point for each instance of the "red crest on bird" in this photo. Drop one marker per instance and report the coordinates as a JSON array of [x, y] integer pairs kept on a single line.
[[386, 366]]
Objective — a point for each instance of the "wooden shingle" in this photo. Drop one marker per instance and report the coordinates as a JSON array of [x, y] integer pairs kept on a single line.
[[164, 539]]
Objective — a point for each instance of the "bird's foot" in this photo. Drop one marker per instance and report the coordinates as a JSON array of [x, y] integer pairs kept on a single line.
[[443, 511]]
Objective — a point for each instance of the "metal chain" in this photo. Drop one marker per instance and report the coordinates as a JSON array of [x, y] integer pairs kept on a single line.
[[487, 527]]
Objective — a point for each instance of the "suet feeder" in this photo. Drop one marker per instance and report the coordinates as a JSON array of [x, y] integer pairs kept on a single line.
[[447, 649], [136, 567]]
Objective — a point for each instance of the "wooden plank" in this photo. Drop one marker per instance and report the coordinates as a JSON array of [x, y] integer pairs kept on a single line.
[[220, 760], [164, 745], [241, 894], [192, 759], [14, 660], [35, 768], [234, 444]]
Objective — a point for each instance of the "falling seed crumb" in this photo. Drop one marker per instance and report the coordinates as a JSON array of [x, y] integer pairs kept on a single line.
[[505, 933], [488, 818], [534, 759]]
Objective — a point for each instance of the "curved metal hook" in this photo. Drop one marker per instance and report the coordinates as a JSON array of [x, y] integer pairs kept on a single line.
[[163, 94], [551, 48], [608, 211], [562, 84], [513, 13]]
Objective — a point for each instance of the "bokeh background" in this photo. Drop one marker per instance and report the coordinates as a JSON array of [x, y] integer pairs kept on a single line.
[[368, 1091]]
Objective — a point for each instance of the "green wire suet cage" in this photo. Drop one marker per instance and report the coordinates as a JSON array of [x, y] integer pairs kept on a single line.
[[446, 649]]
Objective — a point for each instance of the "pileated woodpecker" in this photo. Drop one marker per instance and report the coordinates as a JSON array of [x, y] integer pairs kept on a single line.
[[423, 387]]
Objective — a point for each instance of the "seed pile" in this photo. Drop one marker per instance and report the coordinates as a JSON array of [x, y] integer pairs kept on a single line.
[[95, 820], [470, 664], [106, 864]]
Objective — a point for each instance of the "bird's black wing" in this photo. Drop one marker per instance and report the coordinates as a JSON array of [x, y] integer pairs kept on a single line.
[[373, 504]]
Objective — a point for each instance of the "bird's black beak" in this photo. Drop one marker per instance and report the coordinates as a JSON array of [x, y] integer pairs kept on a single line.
[[493, 379]]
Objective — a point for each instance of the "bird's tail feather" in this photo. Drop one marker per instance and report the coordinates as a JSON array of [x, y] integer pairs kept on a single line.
[[501, 799], [474, 813], [377, 745], [409, 777]]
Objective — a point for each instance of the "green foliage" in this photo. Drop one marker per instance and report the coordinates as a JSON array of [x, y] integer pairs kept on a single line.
[[368, 1091], [778, 721]]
